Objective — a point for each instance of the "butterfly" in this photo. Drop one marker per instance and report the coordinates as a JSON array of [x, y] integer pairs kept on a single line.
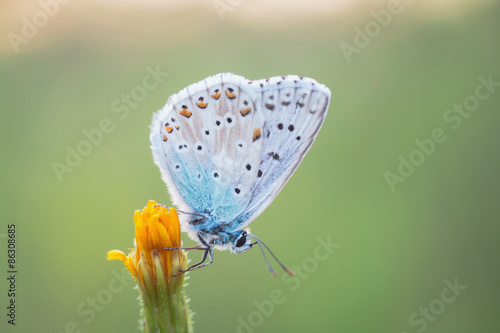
[[226, 146]]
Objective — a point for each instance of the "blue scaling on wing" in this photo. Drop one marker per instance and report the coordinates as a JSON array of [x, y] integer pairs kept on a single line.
[[207, 142]]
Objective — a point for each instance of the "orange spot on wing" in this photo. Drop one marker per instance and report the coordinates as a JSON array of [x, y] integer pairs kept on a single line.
[[216, 96], [244, 112], [256, 134], [168, 129], [202, 105], [186, 113], [177, 127], [164, 137], [230, 95]]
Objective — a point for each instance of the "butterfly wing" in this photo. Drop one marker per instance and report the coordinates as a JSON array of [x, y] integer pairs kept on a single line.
[[294, 109], [208, 144], [226, 146]]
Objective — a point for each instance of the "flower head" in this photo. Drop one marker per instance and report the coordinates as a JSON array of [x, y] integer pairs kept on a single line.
[[156, 269]]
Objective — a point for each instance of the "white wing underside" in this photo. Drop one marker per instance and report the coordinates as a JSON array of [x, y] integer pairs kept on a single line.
[[226, 146]]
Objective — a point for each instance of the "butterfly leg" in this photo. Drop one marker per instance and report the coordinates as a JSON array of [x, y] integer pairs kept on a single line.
[[196, 247], [208, 252]]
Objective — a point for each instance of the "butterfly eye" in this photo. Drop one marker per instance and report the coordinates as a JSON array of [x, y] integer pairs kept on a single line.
[[242, 240]]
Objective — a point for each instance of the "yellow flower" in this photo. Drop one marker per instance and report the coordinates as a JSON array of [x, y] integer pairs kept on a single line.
[[156, 269]]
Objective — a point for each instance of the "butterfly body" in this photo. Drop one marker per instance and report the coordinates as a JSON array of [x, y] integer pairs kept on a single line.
[[226, 146]]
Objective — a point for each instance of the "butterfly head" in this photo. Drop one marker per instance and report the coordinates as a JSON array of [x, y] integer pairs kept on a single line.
[[240, 242]]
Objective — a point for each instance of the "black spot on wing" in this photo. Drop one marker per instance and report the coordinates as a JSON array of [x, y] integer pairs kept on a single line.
[[269, 106]]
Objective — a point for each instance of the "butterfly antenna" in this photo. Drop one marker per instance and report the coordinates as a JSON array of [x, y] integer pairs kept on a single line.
[[269, 267], [262, 245], [189, 213]]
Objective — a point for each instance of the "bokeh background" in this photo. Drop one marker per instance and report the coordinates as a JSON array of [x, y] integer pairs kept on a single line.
[[396, 246]]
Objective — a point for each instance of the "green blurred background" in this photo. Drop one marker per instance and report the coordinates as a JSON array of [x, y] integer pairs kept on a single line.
[[396, 247]]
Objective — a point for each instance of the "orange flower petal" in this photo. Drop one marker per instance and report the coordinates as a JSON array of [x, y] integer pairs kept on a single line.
[[156, 228], [117, 255]]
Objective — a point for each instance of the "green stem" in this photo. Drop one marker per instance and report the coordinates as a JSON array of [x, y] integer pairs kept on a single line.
[[171, 316], [164, 306]]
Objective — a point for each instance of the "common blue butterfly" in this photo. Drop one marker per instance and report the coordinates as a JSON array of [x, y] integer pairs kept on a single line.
[[226, 146]]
